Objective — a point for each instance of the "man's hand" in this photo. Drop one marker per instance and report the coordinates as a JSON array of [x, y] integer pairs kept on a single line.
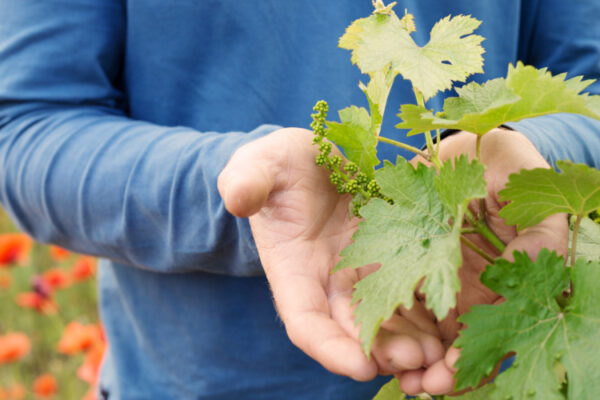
[[300, 225], [503, 152]]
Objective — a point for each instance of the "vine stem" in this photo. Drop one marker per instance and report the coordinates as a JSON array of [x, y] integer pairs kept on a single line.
[[574, 240], [478, 147], [485, 231], [482, 208], [476, 249], [428, 140], [404, 146]]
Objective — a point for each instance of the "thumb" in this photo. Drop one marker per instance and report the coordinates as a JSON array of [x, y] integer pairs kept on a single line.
[[258, 168], [248, 178]]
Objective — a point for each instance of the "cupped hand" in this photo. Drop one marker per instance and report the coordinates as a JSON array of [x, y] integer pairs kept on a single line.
[[300, 224], [503, 152]]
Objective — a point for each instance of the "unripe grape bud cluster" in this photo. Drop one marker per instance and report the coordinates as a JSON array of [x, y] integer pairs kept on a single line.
[[595, 216], [345, 175]]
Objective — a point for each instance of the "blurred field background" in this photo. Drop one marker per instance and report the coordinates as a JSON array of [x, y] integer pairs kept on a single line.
[[51, 342]]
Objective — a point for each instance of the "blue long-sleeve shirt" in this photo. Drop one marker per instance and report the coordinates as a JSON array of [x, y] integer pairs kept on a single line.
[[116, 117]]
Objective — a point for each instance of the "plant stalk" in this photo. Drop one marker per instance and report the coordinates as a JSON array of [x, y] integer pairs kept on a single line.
[[478, 147], [404, 146], [482, 211], [485, 231], [428, 139], [476, 249], [434, 155]]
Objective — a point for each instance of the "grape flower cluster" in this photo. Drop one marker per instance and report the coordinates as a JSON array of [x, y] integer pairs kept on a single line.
[[344, 174], [595, 216]]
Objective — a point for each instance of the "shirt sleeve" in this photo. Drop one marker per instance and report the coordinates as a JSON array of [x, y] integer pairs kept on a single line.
[[77, 172], [565, 37]]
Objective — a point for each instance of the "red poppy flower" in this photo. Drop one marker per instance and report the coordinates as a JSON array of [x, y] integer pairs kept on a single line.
[[59, 254], [83, 268], [56, 278], [78, 337], [13, 347], [45, 385], [14, 248], [38, 302], [88, 371]]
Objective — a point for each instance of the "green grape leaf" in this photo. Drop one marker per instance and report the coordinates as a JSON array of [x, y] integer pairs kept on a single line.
[[582, 330], [478, 108], [474, 98], [411, 240], [538, 193], [383, 41], [541, 93], [461, 183], [482, 393], [588, 240], [355, 135], [390, 391], [548, 340], [525, 93]]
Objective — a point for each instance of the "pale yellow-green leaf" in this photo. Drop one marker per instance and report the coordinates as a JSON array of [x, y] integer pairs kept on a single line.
[[588, 240], [390, 391], [355, 134], [525, 93], [451, 55]]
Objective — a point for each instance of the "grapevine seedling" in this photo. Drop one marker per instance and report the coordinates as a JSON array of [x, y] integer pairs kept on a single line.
[[415, 218]]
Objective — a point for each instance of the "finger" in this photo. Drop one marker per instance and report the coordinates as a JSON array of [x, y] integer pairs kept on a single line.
[[430, 345], [410, 381], [427, 333], [397, 352], [339, 290], [451, 357], [399, 345], [438, 379], [421, 317], [552, 233], [393, 352], [310, 325], [325, 341]]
